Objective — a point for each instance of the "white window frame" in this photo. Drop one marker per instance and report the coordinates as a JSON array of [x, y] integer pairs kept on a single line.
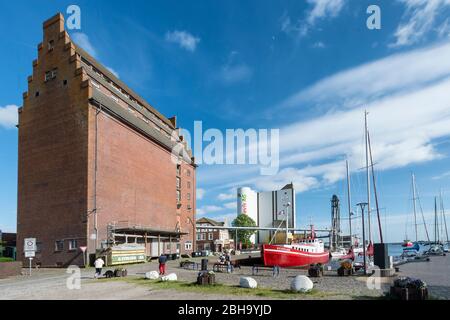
[[210, 236]]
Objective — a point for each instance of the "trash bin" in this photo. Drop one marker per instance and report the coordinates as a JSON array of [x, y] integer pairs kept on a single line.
[[204, 264]]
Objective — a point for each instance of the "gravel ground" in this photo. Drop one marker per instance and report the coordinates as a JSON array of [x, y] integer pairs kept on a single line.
[[51, 284]]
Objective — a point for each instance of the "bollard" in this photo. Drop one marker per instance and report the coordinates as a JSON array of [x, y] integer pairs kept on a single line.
[[204, 265]]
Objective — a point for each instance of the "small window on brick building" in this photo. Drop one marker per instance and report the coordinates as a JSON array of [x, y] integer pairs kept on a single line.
[[59, 245], [178, 196], [188, 173], [189, 207], [51, 44], [178, 169], [189, 184], [178, 183], [73, 244], [188, 196], [188, 245], [37, 94], [210, 236], [65, 82]]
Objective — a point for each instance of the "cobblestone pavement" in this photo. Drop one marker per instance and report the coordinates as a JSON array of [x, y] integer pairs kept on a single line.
[[435, 273], [51, 284]]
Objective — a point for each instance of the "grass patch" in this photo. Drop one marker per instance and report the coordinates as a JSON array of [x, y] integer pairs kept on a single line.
[[223, 289], [6, 259]]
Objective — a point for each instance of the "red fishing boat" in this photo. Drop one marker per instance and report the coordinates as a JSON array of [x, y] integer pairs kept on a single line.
[[306, 252]]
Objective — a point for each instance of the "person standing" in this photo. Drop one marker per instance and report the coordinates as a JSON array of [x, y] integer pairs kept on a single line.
[[228, 262], [98, 267], [162, 264]]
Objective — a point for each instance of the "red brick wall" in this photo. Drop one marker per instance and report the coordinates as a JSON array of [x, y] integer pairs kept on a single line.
[[52, 156]]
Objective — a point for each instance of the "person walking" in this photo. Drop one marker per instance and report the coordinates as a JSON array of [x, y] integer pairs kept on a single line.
[[228, 262], [162, 264], [99, 263]]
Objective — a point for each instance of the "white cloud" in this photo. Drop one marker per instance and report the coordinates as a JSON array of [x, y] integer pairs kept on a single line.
[[318, 45], [442, 176], [230, 205], [200, 193], [184, 39], [236, 73], [407, 114], [323, 9], [376, 79], [8, 116], [226, 196], [82, 40], [208, 209], [420, 18], [320, 9]]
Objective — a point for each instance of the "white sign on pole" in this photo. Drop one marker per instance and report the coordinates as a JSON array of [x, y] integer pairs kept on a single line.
[[29, 244], [29, 254]]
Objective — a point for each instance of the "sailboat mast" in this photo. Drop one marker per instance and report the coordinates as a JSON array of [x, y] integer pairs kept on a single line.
[[349, 201], [375, 190], [435, 222], [414, 202], [367, 175], [444, 221]]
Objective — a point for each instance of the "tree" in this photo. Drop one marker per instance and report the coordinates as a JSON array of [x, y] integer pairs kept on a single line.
[[244, 220]]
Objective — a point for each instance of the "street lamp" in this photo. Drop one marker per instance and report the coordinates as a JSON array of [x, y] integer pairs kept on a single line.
[[363, 205]]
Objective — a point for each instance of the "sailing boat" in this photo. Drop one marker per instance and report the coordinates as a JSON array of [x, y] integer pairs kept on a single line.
[[436, 249], [408, 244]]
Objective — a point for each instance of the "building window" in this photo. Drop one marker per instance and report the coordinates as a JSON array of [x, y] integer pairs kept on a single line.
[[199, 236], [178, 196], [49, 75], [37, 94], [188, 173], [168, 246], [203, 236], [210, 236], [178, 169], [73, 244], [51, 44], [64, 82], [178, 183], [189, 184], [95, 84], [115, 98], [189, 207], [188, 196], [59, 245], [188, 245]]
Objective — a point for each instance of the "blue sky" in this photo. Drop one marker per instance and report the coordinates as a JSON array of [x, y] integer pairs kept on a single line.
[[308, 68]]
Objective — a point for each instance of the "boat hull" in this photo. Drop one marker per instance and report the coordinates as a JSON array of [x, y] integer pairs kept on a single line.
[[280, 256]]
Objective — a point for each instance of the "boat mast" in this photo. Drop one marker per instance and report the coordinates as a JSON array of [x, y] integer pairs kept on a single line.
[[414, 201], [367, 175], [375, 190], [349, 201], [443, 215], [421, 211], [436, 236]]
